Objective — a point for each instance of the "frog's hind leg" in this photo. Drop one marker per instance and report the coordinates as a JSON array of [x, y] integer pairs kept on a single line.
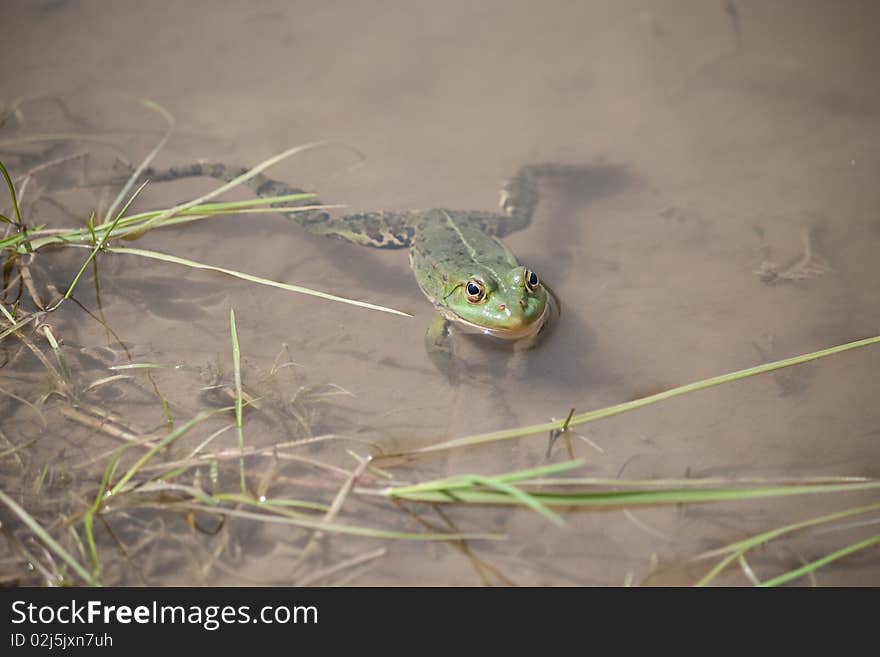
[[519, 199], [381, 230], [262, 185], [520, 194], [384, 230], [219, 171]]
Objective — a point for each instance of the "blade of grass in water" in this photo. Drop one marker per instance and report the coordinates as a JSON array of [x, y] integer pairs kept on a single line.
[[265, 164], [169, 119], [628, 498], [236, 374], [819, 563], [50, 542], [248, 277], [237, 206], [59, 356], [167, 440], [349, 529], [60, 136], [89, 517], [146, 366], [14, 241], [465, 489], [22, 322], [452, 483], [280, 502], [100, 245], [734, 550], [608, 411], [132, 225], [18, 220], [516, 495]]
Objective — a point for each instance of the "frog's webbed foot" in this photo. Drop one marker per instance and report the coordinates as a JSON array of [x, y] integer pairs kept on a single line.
[[520, 194], [439, 347]]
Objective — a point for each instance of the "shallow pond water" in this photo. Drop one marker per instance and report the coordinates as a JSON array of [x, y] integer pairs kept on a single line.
[[732, 218]]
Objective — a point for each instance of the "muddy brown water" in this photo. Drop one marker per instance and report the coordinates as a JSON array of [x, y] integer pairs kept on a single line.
[[723, 145]]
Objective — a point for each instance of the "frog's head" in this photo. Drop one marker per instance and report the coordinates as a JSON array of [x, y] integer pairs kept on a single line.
[[510, 304]]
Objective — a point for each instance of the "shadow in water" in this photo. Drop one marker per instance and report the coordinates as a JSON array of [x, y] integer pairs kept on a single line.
[[563, 225]]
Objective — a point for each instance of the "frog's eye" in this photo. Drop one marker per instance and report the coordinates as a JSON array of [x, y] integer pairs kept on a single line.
[[531, 279], [475, 291]]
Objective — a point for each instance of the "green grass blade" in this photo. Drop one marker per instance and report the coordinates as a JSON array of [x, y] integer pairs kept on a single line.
[[354, 530], [59, 357], [451, 483], [22, 322], [167, 440], [169, 119], [91, 546], [819, 563], [234, 206], [719, 568], [92, 234], [764, 537], [627, 497], [14, 241], [224, 206], [192, 491], [609, 411], [60, 136], [734, 550], [50, 542], [18, 221], [133, 225], [146, 366], [531, 501], [100, 245], [280, 502], [541, 471], [265, 164], [164, 257], [297, 504], [236, 373], [89, 517]]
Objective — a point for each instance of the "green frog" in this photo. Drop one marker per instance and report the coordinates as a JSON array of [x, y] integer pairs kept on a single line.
[[460, 263]]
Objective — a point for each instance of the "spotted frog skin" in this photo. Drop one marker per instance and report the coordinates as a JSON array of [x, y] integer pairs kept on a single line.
[[460, 263]]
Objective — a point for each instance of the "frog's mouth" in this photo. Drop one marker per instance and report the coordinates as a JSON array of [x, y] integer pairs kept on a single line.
[[525, 331]]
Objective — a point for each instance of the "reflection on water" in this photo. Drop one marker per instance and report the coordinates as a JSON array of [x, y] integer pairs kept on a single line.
[[732, 220]]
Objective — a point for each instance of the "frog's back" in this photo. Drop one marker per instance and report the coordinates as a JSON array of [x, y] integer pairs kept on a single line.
[[448, 249]]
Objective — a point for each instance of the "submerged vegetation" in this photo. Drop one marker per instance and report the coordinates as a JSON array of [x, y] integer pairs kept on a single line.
[[118, 512]]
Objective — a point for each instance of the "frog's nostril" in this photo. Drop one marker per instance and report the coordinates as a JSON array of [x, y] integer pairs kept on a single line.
[[502, 307]]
